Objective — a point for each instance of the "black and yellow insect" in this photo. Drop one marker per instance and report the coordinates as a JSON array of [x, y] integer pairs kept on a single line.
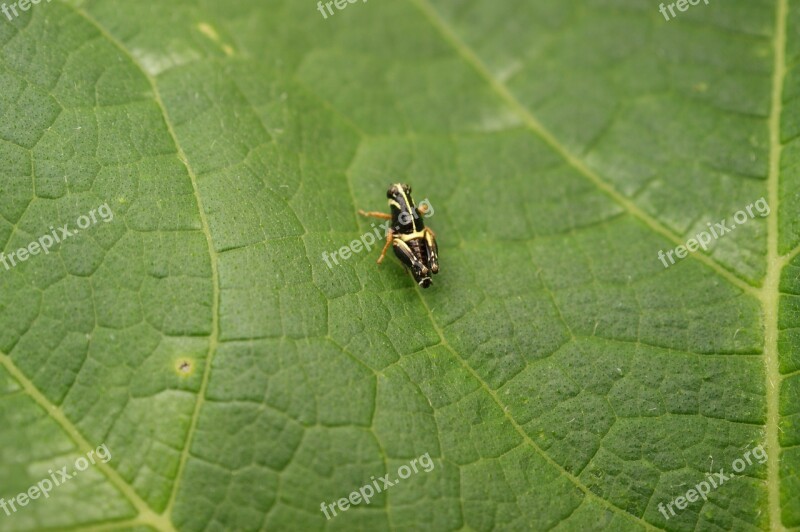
[[413, 243]]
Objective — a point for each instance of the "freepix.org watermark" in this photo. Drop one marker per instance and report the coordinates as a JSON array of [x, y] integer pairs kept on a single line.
[[713, 481], [682, 5], [56, 478], [23, 5], [369, 239], [56, 236], [340, 4], [365, 492], [704, 238]]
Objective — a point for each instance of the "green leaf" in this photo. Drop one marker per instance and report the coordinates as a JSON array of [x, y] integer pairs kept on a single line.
[[557, 373]]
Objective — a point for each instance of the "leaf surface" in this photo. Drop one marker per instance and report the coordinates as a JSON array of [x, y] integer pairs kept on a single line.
[[557, 373]]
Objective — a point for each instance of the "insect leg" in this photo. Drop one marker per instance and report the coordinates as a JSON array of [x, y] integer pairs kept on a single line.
[[433, 250], [389, 237], [375, 214], [407, 257]]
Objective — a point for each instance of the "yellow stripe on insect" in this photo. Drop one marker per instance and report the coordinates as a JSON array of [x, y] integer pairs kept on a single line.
[[410, 236]]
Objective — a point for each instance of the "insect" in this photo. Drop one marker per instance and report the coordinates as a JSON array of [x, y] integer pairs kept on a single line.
[[413, 243]]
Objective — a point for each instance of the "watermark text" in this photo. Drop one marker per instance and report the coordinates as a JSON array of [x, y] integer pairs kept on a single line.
[[704, 238], [366, 492], [56, 236], [56, 478]]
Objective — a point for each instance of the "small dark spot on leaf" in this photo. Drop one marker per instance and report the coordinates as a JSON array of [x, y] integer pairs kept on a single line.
[[184, 366]]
